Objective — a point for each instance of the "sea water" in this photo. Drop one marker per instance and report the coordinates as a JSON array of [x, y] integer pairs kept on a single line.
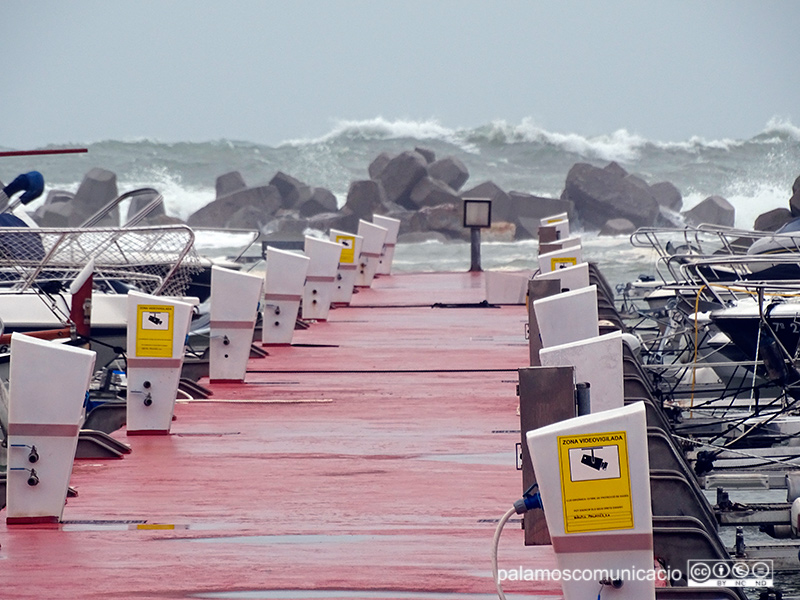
[[755, 174]]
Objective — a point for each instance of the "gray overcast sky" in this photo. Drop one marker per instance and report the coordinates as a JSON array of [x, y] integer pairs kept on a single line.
[[265, 71]]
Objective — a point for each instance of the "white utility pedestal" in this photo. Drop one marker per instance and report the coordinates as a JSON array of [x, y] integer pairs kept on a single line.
[[283, 290], [387, 254], [47, 392], [567, 317], [594, 479], [234, 309], [597, 361], [566, 257], [157, 328], [572, 278], [320, 278], [374, 237], [560, 222], [505, 287], [348, 264]]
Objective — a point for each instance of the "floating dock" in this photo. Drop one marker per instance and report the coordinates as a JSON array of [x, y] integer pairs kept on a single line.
[[371, 459]]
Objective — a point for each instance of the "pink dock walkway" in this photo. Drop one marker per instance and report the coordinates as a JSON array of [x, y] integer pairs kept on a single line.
[[371, 460]]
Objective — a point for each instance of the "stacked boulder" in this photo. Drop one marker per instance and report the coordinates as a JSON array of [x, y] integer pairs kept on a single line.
[[63, 209], [600, 195], [714, 209], [426, 194], [773, 220], [613, 201], [238, 206]]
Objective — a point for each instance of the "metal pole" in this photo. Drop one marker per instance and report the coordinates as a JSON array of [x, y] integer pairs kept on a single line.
[[42, 152], [582, 398], [475, 249]]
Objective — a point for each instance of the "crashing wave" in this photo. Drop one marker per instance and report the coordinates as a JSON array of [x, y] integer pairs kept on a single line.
[[381, 129]]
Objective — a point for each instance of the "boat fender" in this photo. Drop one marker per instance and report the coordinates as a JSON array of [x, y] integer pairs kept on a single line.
[[633, 342], [774, 363], [31, 183]]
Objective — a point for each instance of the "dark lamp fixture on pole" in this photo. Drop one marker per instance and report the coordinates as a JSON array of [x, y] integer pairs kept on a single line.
[[477, 215]]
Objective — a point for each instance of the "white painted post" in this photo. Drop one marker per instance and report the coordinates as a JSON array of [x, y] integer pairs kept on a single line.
[[348, 264], [560, 259], [48, 384], [387, 254], [374, 237], [234, 308], [597, 361], [567, 317], [594, 479], [560, 222], [283, 290], [157, 328], [320, 278], [572, 278]]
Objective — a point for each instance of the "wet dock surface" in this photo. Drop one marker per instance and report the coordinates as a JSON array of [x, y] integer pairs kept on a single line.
[[370, 460]]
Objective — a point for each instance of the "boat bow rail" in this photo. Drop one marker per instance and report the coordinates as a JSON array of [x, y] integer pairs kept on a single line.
[[677, 246], [157, 260]]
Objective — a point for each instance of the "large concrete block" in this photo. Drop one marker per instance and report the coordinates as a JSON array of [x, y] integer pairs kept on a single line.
[[229, 183], [378, 164], [292, 190], [401, 174], [667, 195], [365, 197], [772, 220], [449, 170], [320, 201], [263, 202], [98, 188], [432, 192], [600, 195], [715, 210]]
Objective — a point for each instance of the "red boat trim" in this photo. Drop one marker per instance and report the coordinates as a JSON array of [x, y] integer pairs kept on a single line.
[[30, 520]]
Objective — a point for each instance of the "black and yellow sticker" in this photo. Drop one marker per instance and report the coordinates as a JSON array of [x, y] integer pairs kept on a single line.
[[595, 482], [154, 327], [348, 255]]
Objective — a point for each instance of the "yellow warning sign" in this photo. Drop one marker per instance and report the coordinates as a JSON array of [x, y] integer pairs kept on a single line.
[[349, 251], [154, 325], [595, 482], [563, 262]]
